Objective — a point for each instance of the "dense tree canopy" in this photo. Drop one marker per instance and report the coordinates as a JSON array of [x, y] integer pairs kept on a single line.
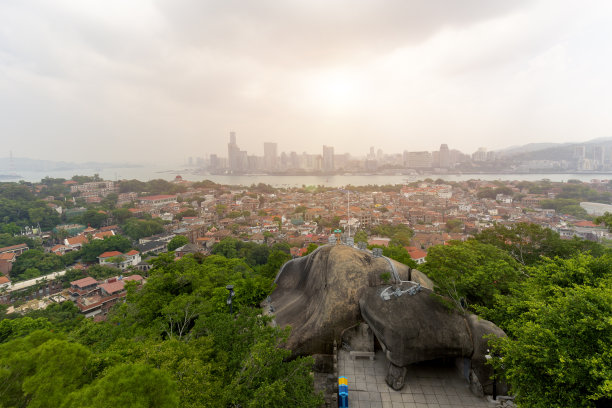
[[470, 272], [526, 243], [172, 343], [38, 260], [397, 253], [93, 249], [177, 242], [139, 228], [557, 311], [93, 218], [400, 234], [559, 321]]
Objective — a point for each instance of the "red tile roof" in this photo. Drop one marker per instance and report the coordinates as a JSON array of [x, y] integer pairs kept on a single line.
[[10, 248], [589, 224], [7, 256], [136, 278], [81, 283], [133, 252], [104, 234], [79, 239], [110, 254], [418, 254], [4, 279], [114, 287]]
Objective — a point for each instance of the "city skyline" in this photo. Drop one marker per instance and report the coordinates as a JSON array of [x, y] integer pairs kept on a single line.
[[594, 156], [141, 81]]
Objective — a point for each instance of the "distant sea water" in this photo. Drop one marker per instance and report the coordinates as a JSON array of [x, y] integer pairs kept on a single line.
[[148, 173]]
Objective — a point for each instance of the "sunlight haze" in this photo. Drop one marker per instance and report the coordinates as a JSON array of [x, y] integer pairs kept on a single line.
[[143, 81]]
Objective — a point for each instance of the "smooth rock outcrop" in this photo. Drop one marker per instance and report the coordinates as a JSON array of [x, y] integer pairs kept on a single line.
[[418, 327], [318, 295], [329, 292], [415, 328]]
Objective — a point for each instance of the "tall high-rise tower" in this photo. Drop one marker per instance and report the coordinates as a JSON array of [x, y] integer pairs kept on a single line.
[[233, 153], [328, 158], [270, 156], [445, 162]]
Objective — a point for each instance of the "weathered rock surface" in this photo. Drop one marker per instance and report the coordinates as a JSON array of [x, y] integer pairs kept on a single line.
[[318, 295], [416, 327], [480, 328], [336, 287]]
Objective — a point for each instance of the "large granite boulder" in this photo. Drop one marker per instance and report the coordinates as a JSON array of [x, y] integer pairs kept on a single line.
[[318, 295], [329, 292], [480, 329], [416, 326]]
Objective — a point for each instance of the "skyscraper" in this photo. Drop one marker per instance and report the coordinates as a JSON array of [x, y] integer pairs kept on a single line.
[[418, 160], [270, 156], [234, 158], [328, 158], [445, 162]]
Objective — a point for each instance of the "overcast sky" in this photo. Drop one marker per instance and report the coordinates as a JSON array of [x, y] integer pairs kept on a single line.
[[117, 80]]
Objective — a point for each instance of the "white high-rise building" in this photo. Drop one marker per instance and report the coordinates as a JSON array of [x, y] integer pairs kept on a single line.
[[328, 158], [270, 156]]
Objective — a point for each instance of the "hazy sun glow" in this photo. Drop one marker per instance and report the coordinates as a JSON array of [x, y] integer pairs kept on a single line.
[[334, 91]]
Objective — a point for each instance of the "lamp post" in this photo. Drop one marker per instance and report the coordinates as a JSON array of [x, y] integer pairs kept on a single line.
[[230, 296]]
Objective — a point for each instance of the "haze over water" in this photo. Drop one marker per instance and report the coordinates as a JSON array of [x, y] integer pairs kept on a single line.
[[149, 173]]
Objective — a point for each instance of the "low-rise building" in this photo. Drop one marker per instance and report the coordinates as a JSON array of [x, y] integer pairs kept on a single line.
[[15, 249], [120, 260]]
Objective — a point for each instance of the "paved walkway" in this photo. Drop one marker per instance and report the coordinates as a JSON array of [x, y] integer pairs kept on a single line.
[[427, 386]]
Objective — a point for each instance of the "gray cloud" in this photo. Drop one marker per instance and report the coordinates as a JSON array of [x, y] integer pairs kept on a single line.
[[98, 80], [295, 32]]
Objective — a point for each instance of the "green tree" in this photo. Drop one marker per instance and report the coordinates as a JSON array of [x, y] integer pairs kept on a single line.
[[361, 236], [400, 234], [139, 228], [36, 260], [300, 209], [226, 247], [559, 349], [454, 225], [605, 219], [470, 272], [93, 249], [187, 213], [133, 385], [121, 215], [311, 248], [276, 259], [527, 243], [61, 361], [93, 218], [397, 253], [486, 193], [177, 242]]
